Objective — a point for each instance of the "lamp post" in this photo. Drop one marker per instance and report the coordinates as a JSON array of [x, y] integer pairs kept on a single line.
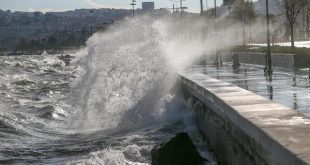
[[216, 62], [215, 23], [201, 8], [174, 8], [181, 7], [268, 67], [133, 3], [243, 23], [215, 10]]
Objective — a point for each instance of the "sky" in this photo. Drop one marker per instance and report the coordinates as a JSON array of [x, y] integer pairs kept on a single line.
[[63, 5]]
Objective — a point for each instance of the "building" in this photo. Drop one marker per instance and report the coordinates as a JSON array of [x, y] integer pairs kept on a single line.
[[148, 6], [231, 2], [69, 28], [227, 2]]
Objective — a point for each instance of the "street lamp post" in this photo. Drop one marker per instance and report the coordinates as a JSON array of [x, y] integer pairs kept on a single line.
[[174, 8], [133, 3], [217, 58], [201, 8], [215, 22], [268, 67], [181, 7], [243, 24], [215, 10]]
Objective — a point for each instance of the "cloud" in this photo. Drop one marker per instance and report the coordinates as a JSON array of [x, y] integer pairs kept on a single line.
[[95, 4], [47, 10], [53, 10]]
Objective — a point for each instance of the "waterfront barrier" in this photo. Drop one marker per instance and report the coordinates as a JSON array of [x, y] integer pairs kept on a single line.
[[243, 128], [278, 59]]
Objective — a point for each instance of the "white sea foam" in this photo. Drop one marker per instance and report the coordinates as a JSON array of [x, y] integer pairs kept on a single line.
[[129, 68]]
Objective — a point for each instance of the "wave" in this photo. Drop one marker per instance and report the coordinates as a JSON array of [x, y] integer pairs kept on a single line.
[[128, 69], [112, 105]]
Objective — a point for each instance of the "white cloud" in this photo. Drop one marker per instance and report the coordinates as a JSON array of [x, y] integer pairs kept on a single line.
[[95, 4], [53, 10], [47, 10]]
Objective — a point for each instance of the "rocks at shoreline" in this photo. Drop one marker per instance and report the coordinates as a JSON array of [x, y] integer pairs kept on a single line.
[[179, 150]]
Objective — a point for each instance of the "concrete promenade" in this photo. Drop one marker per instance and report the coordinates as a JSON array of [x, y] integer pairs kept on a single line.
[[289, 87], [245, 128]]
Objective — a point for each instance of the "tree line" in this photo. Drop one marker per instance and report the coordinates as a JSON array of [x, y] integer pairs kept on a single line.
[[292, 10], [243, 12]]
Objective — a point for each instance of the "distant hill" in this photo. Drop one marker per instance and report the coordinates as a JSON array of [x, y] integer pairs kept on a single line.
[[50, 30]]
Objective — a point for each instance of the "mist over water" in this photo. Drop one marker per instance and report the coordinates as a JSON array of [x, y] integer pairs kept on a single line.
[[124, 70], [128, 69], [112, 105]]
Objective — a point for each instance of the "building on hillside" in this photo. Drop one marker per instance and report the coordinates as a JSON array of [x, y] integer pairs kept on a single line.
[[231, 2], [148, 6]]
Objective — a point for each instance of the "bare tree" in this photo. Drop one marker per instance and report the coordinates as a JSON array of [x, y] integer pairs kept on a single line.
[[243, 12], [292, 9]]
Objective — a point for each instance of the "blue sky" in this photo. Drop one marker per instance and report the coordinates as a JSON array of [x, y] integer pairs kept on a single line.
[[61, 5]]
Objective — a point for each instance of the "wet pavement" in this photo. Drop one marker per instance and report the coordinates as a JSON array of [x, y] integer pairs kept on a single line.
[[288, 87], [279, 134]]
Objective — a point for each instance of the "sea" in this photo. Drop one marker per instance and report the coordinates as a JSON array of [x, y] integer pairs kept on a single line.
[[111, 105]]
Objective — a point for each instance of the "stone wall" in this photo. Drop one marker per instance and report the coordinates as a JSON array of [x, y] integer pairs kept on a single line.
[[278, 59]]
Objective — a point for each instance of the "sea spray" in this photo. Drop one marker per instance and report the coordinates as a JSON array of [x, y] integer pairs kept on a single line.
[[124, 70], [129, 68], [119, 105]]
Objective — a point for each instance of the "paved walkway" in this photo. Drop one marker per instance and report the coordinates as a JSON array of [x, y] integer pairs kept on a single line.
[[290, 88], [269, 132]]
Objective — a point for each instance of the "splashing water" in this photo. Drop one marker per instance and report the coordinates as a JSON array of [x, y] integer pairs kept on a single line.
[[121, 69], [127, 70], [111, 106]]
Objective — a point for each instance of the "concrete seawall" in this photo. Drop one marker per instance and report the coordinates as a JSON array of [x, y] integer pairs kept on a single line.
[[243, 128], [278, 59]]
